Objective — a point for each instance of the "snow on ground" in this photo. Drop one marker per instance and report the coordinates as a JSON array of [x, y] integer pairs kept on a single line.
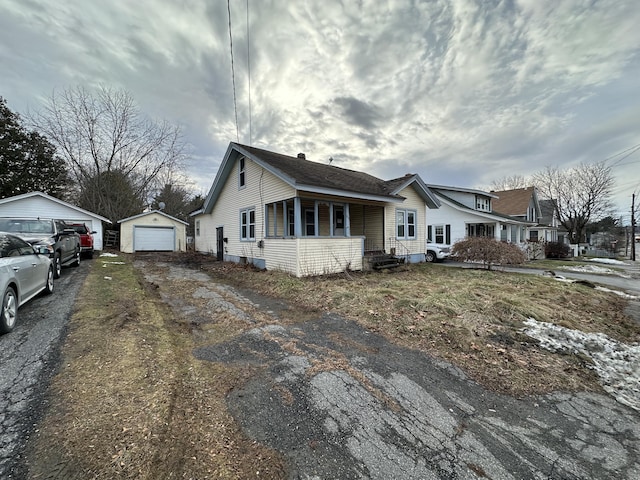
[[616, 363], [617, 292], [107, 254], [610, 261], [594, 269]]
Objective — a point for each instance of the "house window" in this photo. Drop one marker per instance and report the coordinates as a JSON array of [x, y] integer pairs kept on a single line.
[[197, 228], [241, 173], [533, 235], [310, 222], [483, 204], [406, 224], [248, 224], [291, 223], [439, 233], [338, 220]]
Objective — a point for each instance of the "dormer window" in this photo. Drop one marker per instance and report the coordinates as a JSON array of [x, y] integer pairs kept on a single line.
[[241, 173], [483, 204]]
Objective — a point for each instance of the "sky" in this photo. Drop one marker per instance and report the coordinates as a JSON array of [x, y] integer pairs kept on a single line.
[[461, 92]]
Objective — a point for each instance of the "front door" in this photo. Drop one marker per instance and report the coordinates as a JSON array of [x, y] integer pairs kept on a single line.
[[219, 243]]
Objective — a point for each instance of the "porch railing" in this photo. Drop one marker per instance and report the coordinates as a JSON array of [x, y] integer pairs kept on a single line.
[[397, 248]]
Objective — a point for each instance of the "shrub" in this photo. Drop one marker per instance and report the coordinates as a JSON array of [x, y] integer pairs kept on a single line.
[[487, 250], [556, 250]]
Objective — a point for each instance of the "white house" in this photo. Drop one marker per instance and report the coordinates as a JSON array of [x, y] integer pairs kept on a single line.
[[306, 218], [38, 204], [466, 212]]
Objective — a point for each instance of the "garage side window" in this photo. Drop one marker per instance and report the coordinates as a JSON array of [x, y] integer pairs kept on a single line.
[[248, 224], [197, 228]]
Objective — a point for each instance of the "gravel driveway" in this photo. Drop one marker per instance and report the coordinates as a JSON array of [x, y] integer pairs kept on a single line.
[[341, 402]]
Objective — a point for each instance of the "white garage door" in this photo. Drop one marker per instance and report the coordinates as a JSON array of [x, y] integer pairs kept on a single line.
[[153, 239]]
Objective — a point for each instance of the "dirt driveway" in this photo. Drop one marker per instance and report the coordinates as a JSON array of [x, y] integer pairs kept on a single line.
[[341, 402]]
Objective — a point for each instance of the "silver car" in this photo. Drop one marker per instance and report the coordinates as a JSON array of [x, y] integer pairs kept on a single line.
[[24, 273]]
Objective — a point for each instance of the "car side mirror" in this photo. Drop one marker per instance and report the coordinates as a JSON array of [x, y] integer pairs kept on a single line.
[[41, 250]]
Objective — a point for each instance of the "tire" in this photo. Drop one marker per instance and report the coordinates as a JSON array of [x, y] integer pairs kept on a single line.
[[9, 313], [49, 287], [57, 265], [76, 262], [430, 257]]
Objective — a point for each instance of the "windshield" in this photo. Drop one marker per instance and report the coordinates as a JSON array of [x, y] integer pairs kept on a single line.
[[17, 225]]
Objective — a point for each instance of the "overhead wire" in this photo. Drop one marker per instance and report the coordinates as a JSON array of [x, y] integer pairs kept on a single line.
[[249, 71], [233, 74]]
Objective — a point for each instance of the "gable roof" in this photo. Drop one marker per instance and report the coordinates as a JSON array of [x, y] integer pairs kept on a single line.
[[55, 200], [159, 212], [515, 202], [461, 190], [305, 175], [494, 216]]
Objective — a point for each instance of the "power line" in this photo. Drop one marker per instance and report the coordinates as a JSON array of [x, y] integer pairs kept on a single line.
[[249, 70], [630, 150], [233, 75]]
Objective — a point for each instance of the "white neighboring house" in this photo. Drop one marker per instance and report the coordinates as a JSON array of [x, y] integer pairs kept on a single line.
[[307, 218], [39, 204], [466, 212], [153, 231]]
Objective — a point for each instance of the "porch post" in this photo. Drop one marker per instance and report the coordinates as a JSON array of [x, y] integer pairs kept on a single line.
[[496, 233], [347, 221], [285, 222], [297, 213], [331, 219]]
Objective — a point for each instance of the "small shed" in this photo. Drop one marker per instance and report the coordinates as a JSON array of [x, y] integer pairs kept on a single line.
[[153, 231], [39, 204]]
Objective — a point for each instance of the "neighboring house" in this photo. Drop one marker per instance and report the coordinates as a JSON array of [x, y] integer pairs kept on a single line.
[[288, 213], [38, 204], [523, 204], [153, 231], [466, 212], [554, 232]]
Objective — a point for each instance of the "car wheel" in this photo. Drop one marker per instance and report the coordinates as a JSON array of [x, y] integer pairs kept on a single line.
[[57, 265], [430, 257], [49, 287], [9, 314], [76, 262]]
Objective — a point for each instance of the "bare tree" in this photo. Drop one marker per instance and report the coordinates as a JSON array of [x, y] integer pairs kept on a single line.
[[582, 194], [102, 136], [511, 182]]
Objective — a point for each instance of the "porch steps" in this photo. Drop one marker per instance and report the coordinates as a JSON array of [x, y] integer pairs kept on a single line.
[[384, 261]]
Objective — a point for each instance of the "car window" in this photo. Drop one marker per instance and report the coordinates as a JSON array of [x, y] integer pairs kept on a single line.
[[80, 228], [14, 247], [20, 225]]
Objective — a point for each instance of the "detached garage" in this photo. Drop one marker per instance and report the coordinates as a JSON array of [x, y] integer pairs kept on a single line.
[[153, 231], [38, 204]]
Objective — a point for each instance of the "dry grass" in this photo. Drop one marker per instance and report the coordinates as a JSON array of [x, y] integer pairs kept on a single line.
[[131, 402], [471, 318]]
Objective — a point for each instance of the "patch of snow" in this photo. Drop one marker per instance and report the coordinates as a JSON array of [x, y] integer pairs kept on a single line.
[[616, 363], [610, 261], [617, 292], [104, 264], [107, 254], [590, 269], [108, 278]]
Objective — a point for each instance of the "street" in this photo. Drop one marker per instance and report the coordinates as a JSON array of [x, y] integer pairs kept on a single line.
[[28, 360]]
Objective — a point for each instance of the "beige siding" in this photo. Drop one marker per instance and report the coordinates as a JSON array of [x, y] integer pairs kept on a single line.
[[261, 188], [151, 220], [374, 227], [413, 202], [313, 256]]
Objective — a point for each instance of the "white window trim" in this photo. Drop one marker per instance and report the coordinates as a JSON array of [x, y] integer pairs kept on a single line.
[[248, 237], [406, 212]]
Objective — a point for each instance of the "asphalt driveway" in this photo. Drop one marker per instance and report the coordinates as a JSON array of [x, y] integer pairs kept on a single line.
[[341, 402]]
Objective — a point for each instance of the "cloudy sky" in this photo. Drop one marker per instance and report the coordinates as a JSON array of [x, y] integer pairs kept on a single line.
[[462, 92]]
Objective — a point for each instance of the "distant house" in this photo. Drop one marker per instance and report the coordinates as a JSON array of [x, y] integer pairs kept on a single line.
[[523, 204], [466, 212], [288, 213], [39, 204]]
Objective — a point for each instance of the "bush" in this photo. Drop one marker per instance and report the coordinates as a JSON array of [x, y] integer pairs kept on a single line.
[[556, 250], [487, 250]]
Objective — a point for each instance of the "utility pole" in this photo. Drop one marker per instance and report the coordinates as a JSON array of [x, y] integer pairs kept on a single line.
[[633, 227]]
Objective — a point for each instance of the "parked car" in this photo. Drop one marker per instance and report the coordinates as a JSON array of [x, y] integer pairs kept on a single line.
[[86, 238], [61, 240], [437, 253], [25, 271]]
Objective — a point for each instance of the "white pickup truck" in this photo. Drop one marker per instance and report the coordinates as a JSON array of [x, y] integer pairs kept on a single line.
[[437, 253]]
